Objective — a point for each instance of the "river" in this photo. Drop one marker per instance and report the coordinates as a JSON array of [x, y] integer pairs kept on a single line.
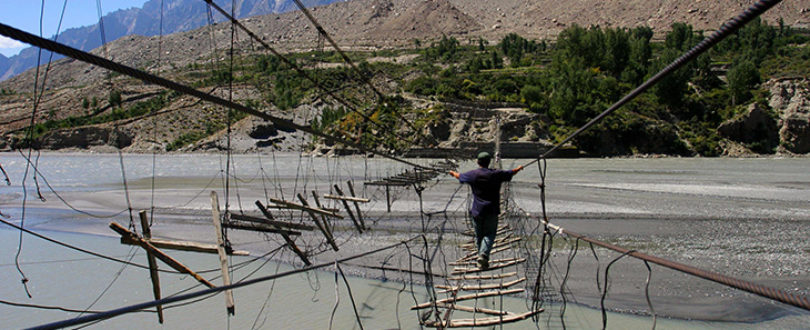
[[743, 217]]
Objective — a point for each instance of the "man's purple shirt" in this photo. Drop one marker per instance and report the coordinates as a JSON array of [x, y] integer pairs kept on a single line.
[[486, 188]]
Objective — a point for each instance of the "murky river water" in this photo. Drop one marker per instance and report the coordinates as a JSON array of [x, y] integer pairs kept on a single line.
[[653, 196]]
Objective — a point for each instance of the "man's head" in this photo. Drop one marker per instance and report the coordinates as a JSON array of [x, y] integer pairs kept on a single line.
[[483, 159]]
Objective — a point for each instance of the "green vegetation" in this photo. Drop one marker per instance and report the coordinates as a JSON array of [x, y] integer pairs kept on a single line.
[[117, 113], [588, 69]]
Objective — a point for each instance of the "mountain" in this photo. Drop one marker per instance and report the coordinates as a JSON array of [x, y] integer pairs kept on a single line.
[[178, 16]]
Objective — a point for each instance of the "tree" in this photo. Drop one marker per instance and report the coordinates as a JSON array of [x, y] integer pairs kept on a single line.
[[742, 77], [115, 98]]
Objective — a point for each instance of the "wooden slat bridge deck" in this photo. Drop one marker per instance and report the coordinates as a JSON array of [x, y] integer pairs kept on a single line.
[[412, 177], [468, 276]]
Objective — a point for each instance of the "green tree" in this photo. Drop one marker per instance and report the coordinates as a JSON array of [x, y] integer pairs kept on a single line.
[[115, 98], [742, 77]]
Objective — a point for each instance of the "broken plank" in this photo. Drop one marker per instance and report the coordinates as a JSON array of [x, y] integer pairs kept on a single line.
[[287, 239], [223, 258], [356, 206], [158, 253], [305, 208], [153, 268], [349, 210], [277, 223], [322, 227]]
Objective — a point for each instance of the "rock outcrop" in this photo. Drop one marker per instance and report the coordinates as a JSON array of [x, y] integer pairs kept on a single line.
[[755, 128], [790, 99], [85, 138]]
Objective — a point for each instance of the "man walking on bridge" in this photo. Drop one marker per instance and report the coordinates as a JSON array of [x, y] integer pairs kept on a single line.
[[486, 206]]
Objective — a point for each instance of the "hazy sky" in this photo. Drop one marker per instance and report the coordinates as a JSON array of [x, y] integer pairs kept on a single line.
[[25, 15]]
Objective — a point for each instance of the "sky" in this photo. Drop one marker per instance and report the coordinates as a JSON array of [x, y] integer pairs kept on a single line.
[[25, 15]]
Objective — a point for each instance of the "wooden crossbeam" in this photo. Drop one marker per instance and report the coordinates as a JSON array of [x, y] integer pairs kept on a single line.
[[474, 255], [482, 322], [251, 226], [468, 297], [285, 207], [158, 253], [287, 239], [457, 271], [277, 223], [346, 198], [473, 263], [305, 208], [482, 277], [472, 309], [184, 246], [498, 243], [488, 286]]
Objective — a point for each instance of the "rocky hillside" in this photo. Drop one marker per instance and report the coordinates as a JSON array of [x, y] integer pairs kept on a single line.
[[78, 90], [179, 16]]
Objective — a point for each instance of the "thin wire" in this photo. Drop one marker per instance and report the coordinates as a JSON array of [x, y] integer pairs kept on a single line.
[[155, 126], [337, 298], [607, 284], [351, 297]]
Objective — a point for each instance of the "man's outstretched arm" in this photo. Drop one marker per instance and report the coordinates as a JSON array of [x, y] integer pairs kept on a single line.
[[455, 174], [517, 169]]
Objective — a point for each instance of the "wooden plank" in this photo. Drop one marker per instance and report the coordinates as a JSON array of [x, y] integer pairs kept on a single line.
[[457, 271], [472, 309], [184, 246], [482, 277], [153, 268], [287, 239], [158, 253], [473, 263], [306, 208], [356, 206], [349, 210], [386, 184], [474, 255], [285, 207], [482, 322], [488, 286], [322, 227], [329, 227], [346, 198], [468, 297], [498, 243], [259, 228], [223, 258], [276, 223]]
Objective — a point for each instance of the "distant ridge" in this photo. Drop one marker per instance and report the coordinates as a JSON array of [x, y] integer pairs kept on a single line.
[[179, 16]]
